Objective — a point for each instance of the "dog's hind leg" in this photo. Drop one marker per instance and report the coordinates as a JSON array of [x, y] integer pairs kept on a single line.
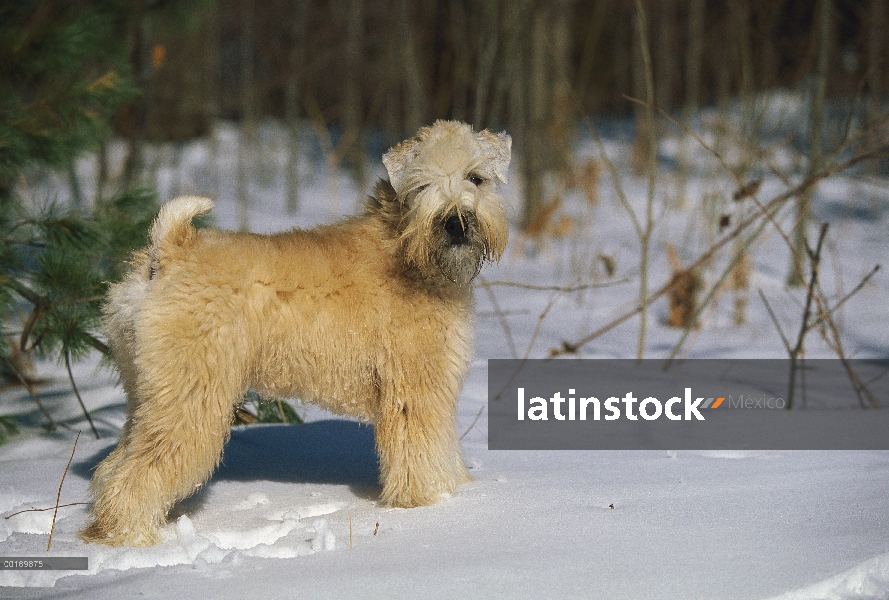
[[120, 313], [174, 442]]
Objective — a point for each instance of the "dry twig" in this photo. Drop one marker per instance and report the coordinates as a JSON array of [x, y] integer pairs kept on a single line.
[[59, 494], [501, 317], [475, 420], [551, 288], [45, 509], [797, 350]]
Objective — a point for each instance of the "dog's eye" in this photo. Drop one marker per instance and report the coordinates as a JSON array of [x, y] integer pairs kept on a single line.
[[475, 179]]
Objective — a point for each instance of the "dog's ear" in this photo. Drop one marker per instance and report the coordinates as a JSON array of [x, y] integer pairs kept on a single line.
[[398, 159], [497, 148]]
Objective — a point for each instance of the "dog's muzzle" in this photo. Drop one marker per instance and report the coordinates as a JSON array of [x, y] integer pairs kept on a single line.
[[460, 247]]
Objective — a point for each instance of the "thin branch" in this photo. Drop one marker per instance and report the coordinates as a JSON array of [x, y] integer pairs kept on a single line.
[[33, 393], [507, 313], [97, 344], [699, 320], [703, 258], [775, 321], [689, 131], [521, 366], [26, 293], [474, 421], [859, 386], [29, 325], [551, 288], [59, 494], [46, 509], [281, 411], [714, 289], [827, 315], [77, 393], [645, 238], [835, 343], [502, 318], [795, 352], [540, 319]]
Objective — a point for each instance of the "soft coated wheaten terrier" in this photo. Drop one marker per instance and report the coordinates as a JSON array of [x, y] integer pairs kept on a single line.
[[370, 318]]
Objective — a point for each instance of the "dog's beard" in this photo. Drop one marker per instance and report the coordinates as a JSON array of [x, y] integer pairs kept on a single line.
[[460, 248], [460, 264], [430, 245]]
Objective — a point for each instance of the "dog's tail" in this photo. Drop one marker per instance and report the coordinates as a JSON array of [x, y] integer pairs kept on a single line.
[[173, 222]]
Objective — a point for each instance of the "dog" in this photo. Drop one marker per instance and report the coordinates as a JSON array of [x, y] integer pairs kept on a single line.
[[370, 318]]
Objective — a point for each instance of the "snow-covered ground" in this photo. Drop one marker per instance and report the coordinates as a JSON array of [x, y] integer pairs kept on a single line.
[[292, 512]]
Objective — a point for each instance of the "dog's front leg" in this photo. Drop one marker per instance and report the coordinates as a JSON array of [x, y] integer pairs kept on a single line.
[[418, 448]]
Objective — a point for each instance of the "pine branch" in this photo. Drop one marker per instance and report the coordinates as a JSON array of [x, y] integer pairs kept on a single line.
[[77, 394]]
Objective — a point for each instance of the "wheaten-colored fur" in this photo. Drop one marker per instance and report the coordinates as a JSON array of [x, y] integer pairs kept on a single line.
[[370, 318]]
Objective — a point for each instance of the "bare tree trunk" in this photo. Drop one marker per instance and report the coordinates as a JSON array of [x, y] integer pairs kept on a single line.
[[352, 114], [247, 147], [692, 87], [816, 127], [549, 135], [538, 86], [141, 52], [875, 49], [623, 54], [212, 91], [393, 105], [648, 228], [767, 16], [460, 53], [292, 91], [415, 97], [742, 29], [488, 40], [740, 19], [663, 61], [590, 49], [562, 126], [510, 85], [722, 61], [641, 151]]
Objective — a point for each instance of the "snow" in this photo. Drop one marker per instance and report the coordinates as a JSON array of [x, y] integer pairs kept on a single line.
[[293, 512]]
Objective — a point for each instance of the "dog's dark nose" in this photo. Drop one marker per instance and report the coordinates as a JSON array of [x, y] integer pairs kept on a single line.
[[454, 227]]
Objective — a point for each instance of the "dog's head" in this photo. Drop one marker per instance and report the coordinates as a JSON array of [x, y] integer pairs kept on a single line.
[[449, 215]]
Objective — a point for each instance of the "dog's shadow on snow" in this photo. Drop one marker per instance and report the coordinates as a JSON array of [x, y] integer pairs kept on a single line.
[[334, 451]]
